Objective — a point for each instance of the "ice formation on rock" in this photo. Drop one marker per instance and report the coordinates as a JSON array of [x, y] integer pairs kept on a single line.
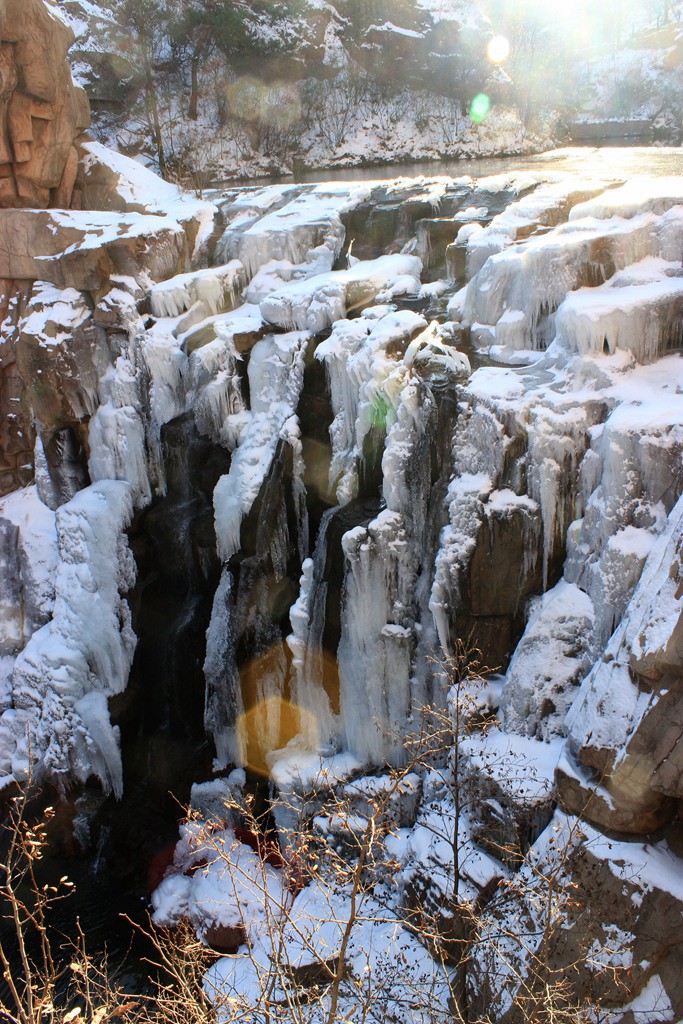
[[637, 310], [545, 207], [375, 648], [224, 704], [619, 721], [317, 302], [365, 384], [307, 617], [58, 726], [275, 380], [639, 195], [214, 379], [207, 292], [534, 506], [287, 222], [28, 560], [515, 295], [554, 484]]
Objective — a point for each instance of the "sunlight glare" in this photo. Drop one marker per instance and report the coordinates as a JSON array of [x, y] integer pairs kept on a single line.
[[498, 50]]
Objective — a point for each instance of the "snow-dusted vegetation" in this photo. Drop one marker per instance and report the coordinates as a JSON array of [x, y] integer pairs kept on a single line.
[[263, 88]]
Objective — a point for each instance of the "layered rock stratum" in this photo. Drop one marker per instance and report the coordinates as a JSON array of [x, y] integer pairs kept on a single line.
[[251, 480], [42, 112]]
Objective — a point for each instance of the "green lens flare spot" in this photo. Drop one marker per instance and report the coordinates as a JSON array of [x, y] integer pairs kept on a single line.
[[480, 107], [379, 413]]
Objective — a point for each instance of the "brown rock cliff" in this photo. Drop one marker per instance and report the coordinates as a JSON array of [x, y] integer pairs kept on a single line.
[[42, 112]]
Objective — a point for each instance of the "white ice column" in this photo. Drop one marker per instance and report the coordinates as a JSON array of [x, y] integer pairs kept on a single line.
[[376, 643]]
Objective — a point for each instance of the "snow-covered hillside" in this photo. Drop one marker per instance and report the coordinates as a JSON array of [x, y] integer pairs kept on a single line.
[[340, 84], [331, 85]]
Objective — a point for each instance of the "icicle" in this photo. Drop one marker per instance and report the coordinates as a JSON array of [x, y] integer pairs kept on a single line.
[[291, 433], [307, 617], [535, 276], [216, 290], [71, 665], [276, 373], [375, 650], [636, 311], [224, 707]]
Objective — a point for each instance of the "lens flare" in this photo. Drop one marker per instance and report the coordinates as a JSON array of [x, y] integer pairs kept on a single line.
[[269, 725], [480, 107], [498, 50], [277, 104]]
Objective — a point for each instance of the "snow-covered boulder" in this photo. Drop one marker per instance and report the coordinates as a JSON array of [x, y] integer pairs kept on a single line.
[[604, 915], [623, 767], [110, 181], [82, 249], [549, 663], [317, 302], [508, 784]]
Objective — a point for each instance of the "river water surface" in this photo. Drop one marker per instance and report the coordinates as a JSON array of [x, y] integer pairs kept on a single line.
[[605, 161]]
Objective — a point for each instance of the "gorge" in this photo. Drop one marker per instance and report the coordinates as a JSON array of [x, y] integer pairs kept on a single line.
[[269, 457]]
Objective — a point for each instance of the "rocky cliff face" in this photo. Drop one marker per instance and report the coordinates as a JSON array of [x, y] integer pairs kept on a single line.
[[42, 116], [42, 112], [256, 480]]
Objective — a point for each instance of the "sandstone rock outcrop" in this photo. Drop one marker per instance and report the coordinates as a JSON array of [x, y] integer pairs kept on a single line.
[[17, 433], [624, 918], [33, 244], [42, 112], [42, 115], [71, 220]]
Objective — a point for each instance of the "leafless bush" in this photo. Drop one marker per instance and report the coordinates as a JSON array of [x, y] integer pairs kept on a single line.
[[331, 107], [449, 121], [46, 981], [311, 909], [320, 931]]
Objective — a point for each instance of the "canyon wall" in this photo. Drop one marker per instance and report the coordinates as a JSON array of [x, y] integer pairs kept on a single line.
[[260, 482]]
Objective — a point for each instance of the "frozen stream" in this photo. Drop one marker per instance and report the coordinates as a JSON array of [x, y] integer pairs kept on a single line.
[[607, 161]]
